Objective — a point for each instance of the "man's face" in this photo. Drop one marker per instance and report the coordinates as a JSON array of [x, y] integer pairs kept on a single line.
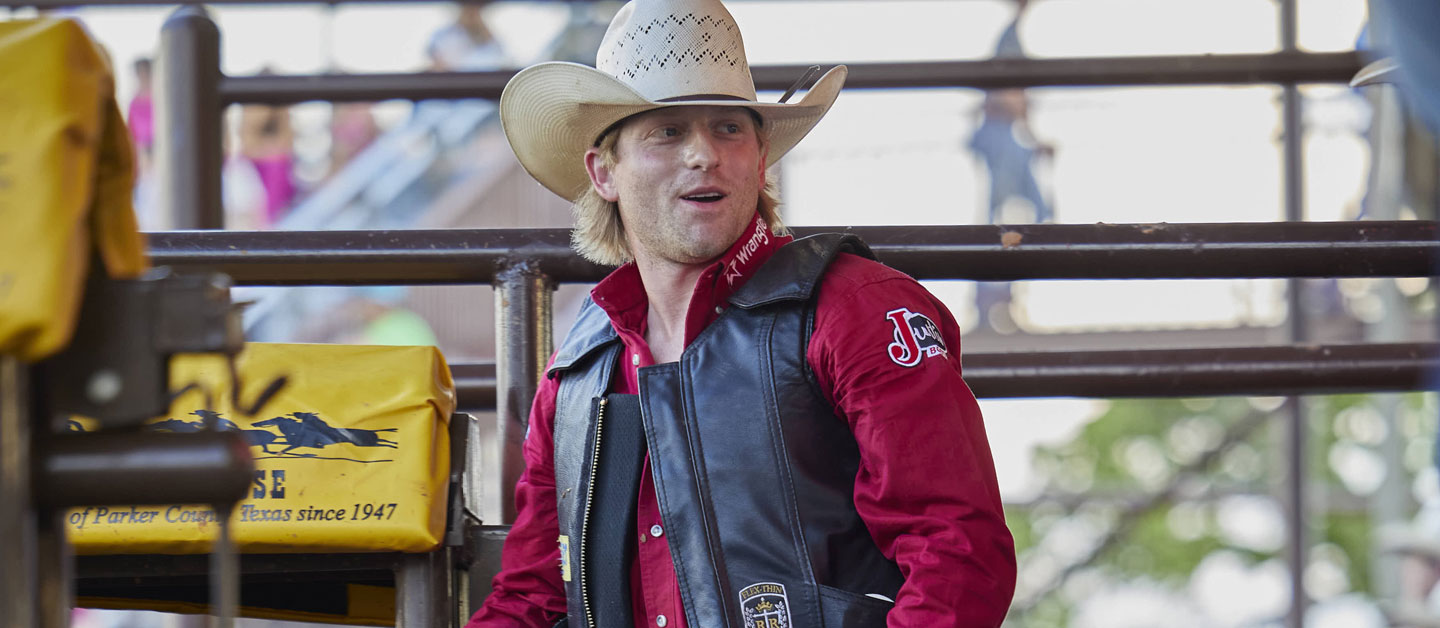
[[687, 180]]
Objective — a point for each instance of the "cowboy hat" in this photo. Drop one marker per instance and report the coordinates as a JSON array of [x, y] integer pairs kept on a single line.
[[656, 53]]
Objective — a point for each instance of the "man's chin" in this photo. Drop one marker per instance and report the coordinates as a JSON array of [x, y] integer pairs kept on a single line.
[[701, 257], [708, 244], [699, 244]]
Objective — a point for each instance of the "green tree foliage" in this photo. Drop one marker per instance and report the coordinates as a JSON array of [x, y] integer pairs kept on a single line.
[[1145, 482]]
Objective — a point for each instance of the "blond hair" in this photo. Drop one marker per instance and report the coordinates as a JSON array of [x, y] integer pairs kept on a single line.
[[599, 234]]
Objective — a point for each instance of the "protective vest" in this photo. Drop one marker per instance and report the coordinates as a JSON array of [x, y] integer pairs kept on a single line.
[[754, 471]]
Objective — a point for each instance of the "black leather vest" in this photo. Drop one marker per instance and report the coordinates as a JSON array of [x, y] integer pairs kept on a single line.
[[754, 471]]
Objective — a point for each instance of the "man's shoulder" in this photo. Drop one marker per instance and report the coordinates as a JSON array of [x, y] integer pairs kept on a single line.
[[591, 330], [855, 285], [849, 272]]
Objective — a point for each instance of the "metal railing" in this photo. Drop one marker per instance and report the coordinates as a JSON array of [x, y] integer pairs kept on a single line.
[[1281, 67], [977, 252]]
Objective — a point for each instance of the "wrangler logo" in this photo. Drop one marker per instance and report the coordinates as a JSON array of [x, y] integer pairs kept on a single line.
[[760, 236]]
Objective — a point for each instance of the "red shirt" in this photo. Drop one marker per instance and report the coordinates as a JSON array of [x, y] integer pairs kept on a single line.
[[926, 486]]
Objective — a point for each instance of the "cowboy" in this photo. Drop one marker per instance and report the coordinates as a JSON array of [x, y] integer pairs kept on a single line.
[[741, 429]]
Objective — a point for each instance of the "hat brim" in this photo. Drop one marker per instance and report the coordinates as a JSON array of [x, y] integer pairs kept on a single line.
[[553, 112], [1385, 70]]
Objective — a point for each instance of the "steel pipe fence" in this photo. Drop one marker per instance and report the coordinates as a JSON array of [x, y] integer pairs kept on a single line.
[[1285, 67], [983, 252], [1203, 372], [1293, 173], [523, 315], [189, 152]]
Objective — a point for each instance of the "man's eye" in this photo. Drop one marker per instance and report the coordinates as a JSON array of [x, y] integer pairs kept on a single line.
[[731, 128], [669, 131]]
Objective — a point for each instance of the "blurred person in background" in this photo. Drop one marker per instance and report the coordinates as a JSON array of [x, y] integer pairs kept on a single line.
[[1414, 68], [467, 44], [140, 117], [267, 141], [241, 190], [352, 128], [1004, 139], [243, 194], [1008, 148]]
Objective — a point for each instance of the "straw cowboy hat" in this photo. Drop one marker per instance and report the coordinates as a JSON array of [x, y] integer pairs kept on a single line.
[[656, 53]]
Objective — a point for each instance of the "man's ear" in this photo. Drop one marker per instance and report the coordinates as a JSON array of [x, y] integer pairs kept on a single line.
[[600, 175]]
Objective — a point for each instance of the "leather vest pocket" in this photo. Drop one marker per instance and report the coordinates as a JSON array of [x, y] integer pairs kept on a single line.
[[843, 609]]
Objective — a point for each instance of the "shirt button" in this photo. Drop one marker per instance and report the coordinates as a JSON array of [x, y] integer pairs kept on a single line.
[[661, 621], [656, 530], [635, 359], [719, 309]]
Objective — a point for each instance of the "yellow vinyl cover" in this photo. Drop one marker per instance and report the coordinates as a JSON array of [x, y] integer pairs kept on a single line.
[[352, 456], [66, 175], [363, 605]]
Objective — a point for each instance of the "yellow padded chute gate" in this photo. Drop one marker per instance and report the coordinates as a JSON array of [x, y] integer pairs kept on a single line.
[[363, 605], [66, 178], [353, 455]]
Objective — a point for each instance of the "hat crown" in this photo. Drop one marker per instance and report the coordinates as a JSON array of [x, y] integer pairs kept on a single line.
[[669, 50]]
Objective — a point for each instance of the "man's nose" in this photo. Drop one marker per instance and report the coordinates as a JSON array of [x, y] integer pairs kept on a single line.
[[701, 152]]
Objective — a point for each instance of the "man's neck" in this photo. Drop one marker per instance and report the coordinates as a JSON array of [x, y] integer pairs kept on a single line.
[[668, 287]]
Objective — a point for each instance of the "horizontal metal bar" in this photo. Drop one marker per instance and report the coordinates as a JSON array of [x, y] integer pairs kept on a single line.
[[978, 252], [278, 89], [123, 567], [448, 256], [61, 4], [143, 468], [1251, 371], [65, 4], [1285, 67], [1257, 371]]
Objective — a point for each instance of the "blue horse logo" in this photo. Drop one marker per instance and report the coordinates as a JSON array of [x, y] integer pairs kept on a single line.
[[298, 430], [307, 429]]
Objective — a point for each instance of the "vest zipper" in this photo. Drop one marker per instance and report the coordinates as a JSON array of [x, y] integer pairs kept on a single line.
[[585, 518]]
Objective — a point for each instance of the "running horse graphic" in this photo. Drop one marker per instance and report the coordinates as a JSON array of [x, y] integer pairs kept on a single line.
[[308, 430], [256, 438]]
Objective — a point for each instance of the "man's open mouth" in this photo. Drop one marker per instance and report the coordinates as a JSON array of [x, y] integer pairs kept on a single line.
[[707, 197], [704, 196]]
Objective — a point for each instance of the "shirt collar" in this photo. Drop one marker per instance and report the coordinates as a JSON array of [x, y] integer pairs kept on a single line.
[[622, 293], [745, 256]]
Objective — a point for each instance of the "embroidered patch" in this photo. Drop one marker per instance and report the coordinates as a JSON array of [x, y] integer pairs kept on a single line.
[[916, 337], [564, 558], [764, 605]]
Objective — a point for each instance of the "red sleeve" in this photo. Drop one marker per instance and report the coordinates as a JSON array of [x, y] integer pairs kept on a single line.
[[926, 486], [528, 590]]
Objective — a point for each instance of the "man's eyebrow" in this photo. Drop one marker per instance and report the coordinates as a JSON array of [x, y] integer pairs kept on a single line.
[[658, 119]]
